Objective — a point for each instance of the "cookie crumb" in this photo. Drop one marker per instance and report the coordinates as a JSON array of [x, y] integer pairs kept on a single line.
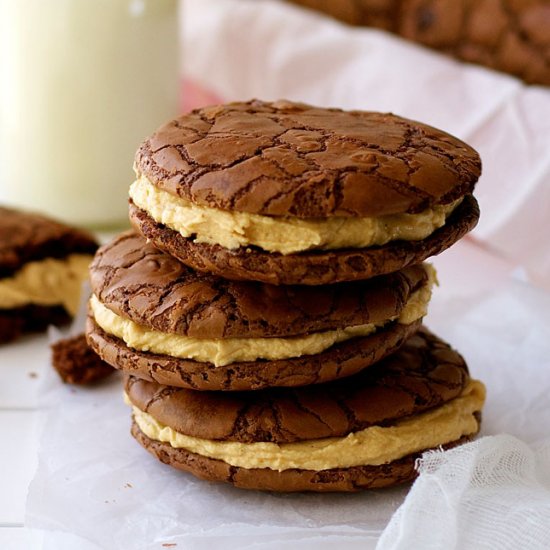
[[76, 363], [169, 544], [33, 374]]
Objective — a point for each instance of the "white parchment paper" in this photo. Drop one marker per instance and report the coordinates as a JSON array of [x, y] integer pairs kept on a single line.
[[94, 481]]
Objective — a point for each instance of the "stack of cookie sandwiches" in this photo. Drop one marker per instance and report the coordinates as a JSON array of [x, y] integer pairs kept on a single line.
[[267, 310]]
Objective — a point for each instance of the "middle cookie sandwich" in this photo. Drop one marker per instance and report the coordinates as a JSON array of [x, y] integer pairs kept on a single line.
[[159, 320]]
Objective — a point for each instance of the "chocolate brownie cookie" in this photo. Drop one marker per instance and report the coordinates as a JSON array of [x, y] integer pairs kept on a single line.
[[158, 319], [361, 432], [286, 193], [506, 35], [42, 266]]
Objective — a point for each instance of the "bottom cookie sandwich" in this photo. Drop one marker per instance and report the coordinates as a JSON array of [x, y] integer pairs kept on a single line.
[[357, 433]]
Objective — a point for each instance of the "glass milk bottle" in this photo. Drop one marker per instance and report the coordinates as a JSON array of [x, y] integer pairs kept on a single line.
[[82, 82]]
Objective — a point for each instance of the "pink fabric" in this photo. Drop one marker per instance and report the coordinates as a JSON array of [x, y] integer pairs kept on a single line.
[[195, 95]]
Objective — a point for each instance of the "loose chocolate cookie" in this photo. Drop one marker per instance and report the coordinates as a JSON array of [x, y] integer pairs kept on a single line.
[[134, 282], [417, 383], [286, 193], [27, 241]]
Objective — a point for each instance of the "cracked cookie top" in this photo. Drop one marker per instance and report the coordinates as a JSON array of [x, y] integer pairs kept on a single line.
[[141, 283], [423, 374], [292, 159]]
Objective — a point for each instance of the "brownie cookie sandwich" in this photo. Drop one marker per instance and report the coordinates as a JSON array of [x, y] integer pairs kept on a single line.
[[155, 318], [286, 193], [42, 266], [357, 433]]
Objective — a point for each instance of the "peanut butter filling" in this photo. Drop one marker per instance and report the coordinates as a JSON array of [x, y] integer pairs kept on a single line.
[[286, 235], [369, 447], [47, 282], [224, 351]]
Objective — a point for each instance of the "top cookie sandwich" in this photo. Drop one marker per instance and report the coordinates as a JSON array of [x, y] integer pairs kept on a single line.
[[42, 266], [286, 193]]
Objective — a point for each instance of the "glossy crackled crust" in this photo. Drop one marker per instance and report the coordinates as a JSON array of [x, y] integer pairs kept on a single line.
[[422, 374], [287, 158], [151, 288], [339, 361], [306, 268]]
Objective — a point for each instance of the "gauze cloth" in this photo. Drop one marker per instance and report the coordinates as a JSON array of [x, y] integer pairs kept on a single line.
[[491, 493]]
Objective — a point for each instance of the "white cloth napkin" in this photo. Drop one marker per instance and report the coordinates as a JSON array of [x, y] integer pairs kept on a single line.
[[493, 493]]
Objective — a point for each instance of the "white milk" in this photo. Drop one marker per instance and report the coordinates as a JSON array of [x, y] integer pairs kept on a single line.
[[82, 83]]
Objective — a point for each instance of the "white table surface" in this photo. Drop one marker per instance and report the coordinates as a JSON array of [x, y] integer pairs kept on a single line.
[[21, 369]]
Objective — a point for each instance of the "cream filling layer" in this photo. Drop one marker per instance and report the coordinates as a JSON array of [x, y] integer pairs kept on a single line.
[[224, 351], [286, 235], [369, 447], [48, 282]]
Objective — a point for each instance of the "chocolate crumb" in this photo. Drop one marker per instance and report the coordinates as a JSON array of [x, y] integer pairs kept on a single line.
[[76, 363]]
